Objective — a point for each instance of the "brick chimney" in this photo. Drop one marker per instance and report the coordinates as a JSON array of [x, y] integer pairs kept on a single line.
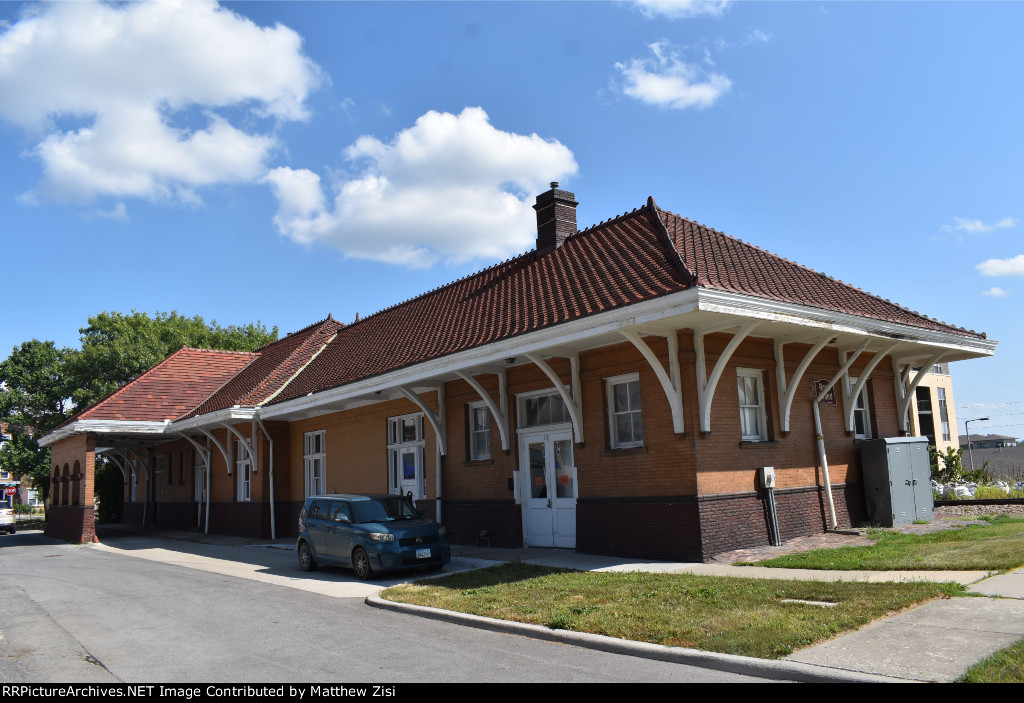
[[556, 218]]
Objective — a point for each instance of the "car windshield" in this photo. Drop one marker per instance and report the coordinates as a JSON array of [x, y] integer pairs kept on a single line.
[[383, 510]]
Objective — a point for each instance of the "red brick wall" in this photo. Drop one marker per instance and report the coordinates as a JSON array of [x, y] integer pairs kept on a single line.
[[71, 523]]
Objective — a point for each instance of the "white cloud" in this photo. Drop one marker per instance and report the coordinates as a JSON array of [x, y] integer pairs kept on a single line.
[[758, 36], [125, 74], [979, 226], [451, 187], [665, 80], [996, 292], [681, 9], [118, 213], [1002, 267]]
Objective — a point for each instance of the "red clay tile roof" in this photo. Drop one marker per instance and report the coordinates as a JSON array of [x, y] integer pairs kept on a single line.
[[724, 263], [275, 364], [638, 256], [620, 262], [174, 386]]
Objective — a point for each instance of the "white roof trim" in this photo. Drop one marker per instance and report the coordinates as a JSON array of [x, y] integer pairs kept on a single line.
[[104, 427]]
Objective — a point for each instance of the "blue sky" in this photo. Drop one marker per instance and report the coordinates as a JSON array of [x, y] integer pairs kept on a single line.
[[280, 161]]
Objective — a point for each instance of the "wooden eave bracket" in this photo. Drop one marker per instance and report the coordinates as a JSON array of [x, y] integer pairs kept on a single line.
[[706, 385], [436, 421], [203, 451], [572, 403], [247, 443], [670, 382], [850, 395], [223, 451], [788, 392], [500, 415]]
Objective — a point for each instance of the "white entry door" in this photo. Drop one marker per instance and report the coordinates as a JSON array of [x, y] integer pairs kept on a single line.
[[548, 489]]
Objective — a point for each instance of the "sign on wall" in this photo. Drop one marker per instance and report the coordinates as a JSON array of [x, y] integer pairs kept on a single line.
[[830, 397]]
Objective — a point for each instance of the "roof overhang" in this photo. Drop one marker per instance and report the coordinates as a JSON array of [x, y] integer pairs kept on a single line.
[[696, 308], [236, 413], [119, 428]]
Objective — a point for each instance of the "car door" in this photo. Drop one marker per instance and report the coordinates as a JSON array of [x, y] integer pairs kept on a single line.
[[339, 532]]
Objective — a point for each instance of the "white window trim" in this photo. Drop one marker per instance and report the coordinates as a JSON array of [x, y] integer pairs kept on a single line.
[[244, 471], [762, 416], [473, 408], [199, 475], [866, 410], [609, 391], [521, 399], [395, 452], [309, 460]]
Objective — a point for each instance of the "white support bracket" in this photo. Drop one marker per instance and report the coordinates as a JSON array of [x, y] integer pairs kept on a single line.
[[246, 443], [436, 421], [500, 415], [572, 403], [112, 455], [203, 451], [671, 382], [841, 373], [223, 451], [850, 395], [903, 406], [706, 385], [788, 392]]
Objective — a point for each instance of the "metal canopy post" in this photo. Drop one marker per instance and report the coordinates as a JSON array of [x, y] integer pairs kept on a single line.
[[671, 382], [706, 385]]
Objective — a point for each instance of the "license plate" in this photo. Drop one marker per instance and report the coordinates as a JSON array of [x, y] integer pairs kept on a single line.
[[422, 553]]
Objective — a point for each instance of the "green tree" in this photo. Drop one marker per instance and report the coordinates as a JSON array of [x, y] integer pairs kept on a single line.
[[118, 347], [34, 398], [948, 467]]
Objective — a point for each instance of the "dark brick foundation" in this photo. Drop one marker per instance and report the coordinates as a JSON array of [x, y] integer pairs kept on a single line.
[[71, 523], [176, 516], [647, 527], [740, 520], [464, 520], [241, 519]]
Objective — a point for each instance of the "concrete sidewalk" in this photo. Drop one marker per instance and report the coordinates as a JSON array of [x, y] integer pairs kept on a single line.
[[937, 641]]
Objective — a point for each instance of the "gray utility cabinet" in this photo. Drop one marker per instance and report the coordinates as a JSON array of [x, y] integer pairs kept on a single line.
[[897, 480]]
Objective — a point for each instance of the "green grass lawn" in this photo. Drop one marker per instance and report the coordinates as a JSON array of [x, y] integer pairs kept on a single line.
[[1006, 666], [997, 546], [732, 615]]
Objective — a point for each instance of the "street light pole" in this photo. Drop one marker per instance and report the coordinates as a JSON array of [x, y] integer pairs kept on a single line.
[[970, 450]]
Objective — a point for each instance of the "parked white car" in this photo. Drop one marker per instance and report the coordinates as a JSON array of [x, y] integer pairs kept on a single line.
[[7, 521]]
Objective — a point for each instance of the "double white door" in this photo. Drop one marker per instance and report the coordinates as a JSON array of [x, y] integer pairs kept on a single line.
[[548, 489]]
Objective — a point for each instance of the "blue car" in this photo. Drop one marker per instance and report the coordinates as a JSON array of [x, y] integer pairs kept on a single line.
[[368, 533]]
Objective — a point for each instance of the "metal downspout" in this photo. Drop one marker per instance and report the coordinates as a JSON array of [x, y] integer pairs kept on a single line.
[[824, 466], [273, 523]]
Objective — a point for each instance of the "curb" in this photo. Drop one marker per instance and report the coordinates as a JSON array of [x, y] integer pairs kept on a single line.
[[732, 663]]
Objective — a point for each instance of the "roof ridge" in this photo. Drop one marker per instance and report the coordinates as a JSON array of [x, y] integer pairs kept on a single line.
[[820, 274], [329, 318], [258, 387], [217, 351], [674, 257]]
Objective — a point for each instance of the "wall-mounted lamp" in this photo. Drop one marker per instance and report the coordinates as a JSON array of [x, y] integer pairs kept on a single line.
[[510, 360]]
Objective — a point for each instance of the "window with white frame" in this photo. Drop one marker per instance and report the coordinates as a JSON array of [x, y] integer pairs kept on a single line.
[[405, 455], [199, 473], [753, 422], [542, 408], [943, 413], [479, 431], [315, 458], [861, 414], [624, 415], [243, 469]]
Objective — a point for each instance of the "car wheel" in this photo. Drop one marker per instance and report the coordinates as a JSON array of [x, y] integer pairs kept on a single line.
[[361, 564], [306, 560]]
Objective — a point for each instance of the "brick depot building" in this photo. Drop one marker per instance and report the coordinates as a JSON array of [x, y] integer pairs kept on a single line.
[[616, 391]]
